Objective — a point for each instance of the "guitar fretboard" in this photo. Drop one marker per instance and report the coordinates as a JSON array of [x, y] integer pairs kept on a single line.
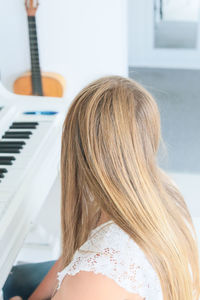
[[35, 63]]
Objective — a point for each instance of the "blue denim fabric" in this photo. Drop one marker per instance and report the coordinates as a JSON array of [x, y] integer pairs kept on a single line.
[[23, 279]]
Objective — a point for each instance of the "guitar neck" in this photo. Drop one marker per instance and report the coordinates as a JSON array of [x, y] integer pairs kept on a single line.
[[35, 63]]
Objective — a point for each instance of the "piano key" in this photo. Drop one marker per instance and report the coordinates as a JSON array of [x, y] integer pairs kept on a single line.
[[5, 163], [12, 147], [14, 143], [2, 175], [3, 170], [6, 136], [16, 135], [4, 196], [2, 207], [2, 157], [23, 127], [24, 123], [18, 132], [9, 150]]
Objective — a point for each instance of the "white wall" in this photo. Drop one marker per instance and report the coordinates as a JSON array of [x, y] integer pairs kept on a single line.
[[141, 40], [81, 40], [188, 184]]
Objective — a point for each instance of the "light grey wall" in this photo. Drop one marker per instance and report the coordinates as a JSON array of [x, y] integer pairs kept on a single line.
[[177, 93]]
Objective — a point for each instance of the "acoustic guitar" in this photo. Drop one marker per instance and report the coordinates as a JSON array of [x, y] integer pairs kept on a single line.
[[36, 82]]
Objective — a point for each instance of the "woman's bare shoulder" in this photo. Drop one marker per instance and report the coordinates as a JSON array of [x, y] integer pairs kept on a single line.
[[89, 286]]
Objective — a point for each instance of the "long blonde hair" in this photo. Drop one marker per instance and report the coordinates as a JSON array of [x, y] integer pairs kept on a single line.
[[110, 140]]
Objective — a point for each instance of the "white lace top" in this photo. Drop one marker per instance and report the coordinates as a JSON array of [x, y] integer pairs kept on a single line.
[[110, 251]]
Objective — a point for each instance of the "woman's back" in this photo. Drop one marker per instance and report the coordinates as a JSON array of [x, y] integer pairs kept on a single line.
[[111, 252]]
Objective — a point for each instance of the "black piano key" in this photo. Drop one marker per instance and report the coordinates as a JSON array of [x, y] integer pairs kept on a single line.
[[9, 150], [7, 158], [23, 127], [2, 175], [9, 136], [3, 170], [12, 144], [24, 123], [5, 145], [18, 132], [11, 147], [6, 162]]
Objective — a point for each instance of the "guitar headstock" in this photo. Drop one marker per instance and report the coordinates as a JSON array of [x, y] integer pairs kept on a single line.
[[31, 7]]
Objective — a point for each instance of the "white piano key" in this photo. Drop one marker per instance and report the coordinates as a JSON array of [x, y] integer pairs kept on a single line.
[[2, 207], [4, 196]]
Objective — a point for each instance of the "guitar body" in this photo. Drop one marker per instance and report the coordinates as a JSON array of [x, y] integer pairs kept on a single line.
[[53, 84]]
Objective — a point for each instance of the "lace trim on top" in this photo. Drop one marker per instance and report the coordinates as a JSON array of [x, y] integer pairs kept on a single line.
[[110, 251]]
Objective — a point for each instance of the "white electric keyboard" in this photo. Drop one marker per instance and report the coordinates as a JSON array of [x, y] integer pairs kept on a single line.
[[30, 144]]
